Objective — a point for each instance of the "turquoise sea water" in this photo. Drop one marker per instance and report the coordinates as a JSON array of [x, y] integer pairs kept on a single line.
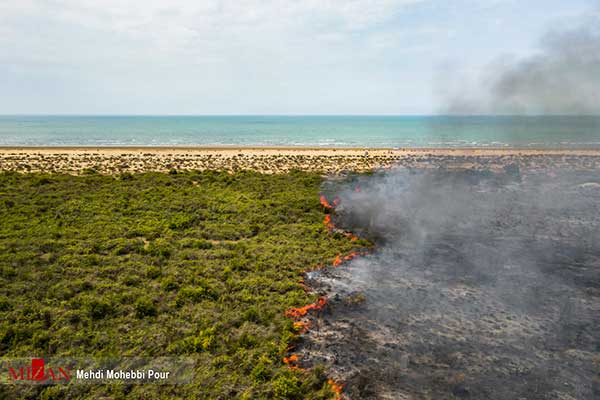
[[360, 131]]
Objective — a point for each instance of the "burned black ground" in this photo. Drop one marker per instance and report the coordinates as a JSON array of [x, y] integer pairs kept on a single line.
[[484, 286]]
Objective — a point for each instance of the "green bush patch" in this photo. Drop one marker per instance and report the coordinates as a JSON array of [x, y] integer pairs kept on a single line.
[[200, 264]]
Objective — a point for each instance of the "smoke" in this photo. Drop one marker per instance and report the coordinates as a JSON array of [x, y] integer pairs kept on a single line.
[[483, 285], [562, 78]]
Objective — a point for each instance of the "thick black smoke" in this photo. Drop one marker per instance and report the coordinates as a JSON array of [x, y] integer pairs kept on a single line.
[[562, 78], [483, 285]]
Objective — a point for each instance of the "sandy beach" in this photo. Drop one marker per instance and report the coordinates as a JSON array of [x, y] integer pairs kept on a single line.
[[109, 160]]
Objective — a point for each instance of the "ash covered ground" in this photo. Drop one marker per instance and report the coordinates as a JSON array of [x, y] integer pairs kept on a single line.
[[483, 285]]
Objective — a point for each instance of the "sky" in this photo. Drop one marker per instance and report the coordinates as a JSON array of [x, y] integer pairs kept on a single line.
[[259, 56]]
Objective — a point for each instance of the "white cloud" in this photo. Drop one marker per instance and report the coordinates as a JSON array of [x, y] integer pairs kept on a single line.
[[242, 55], [92, 32]]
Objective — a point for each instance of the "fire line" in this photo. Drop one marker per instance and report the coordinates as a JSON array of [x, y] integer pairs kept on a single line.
[[297, 313]]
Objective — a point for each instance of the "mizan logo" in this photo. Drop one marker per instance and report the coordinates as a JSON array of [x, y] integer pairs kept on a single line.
[[38, 372], [67, 370]]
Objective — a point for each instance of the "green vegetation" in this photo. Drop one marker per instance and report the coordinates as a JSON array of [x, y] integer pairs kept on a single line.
[[199, 264]]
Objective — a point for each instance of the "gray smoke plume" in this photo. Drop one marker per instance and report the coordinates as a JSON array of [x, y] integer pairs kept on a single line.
[[483, 285], [562, 78]]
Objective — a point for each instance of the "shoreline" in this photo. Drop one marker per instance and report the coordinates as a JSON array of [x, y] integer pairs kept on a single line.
[[327, 160], [312, 149]]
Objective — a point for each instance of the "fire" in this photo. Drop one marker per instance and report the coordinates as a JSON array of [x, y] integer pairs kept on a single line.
[[291, 362], [339, 260], [291, 359], [301, 326], [336, 388], [324, 202], [327, 204], [328, 223], [299, 312]]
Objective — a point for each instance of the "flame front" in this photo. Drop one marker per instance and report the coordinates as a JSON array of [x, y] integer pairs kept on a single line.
[[336, 388], [324, 202], [291, 362], [340, 259], [291, 359], [299, 312], [301, 326], [327, 204], [328, 223]]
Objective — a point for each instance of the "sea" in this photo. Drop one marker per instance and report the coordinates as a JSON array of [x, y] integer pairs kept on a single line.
[[314, 131]]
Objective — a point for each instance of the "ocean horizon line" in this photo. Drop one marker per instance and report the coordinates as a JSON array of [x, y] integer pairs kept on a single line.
[[305, 115], [386, 131]]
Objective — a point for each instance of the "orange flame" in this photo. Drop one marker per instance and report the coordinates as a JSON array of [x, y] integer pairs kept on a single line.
[[338, 260], [291, 359], [301, 326], [327, 204], [324, 202], [336, 388], [290, 362], [299, 312], [328, 223]]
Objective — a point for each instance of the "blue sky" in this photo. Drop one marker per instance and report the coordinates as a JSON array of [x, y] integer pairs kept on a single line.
[[257, 56]]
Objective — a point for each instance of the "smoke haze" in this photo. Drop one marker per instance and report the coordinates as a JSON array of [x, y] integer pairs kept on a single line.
[[562, 78], [483, 285]]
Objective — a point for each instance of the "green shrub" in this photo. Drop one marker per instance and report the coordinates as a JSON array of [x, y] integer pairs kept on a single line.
[[131, 280], [90, 260], [40, 180], [153, 272], [262, 371], [247, 341], [287, 386], [4, 304], [203, 244], [196, 294], [251, 314], [41, 340], [204, 341], [160, 248], [169, 284], [144, 307], [97, 309]]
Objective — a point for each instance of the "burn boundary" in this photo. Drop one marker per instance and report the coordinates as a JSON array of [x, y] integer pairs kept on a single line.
[[300, 314]]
